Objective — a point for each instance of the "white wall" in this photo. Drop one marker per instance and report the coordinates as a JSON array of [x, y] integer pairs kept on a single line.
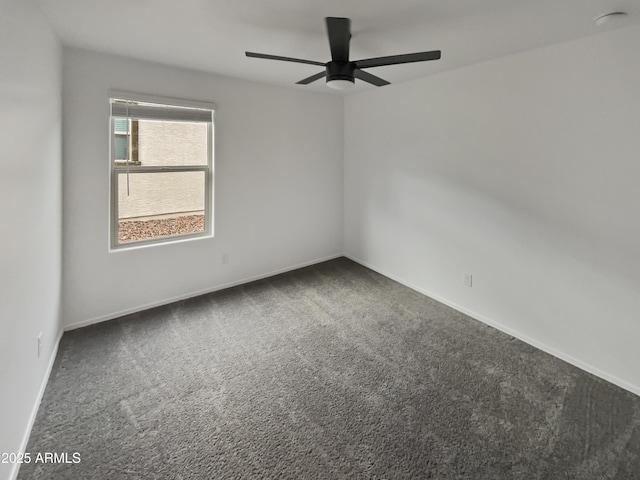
[[524, 172], [30, 215], [278, 187]]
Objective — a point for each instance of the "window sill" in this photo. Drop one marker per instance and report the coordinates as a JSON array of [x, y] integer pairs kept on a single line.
[[124, 163]]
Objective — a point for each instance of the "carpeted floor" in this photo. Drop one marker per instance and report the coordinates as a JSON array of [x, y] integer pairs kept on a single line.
[[331, 371]]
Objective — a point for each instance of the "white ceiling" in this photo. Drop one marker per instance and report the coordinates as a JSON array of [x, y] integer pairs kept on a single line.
[[212, 35]]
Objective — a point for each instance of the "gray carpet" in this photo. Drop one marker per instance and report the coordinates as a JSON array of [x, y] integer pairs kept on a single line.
[[331, 371]]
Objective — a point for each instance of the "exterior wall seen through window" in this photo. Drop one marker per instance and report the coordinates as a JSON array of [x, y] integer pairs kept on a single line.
[[164, 144]]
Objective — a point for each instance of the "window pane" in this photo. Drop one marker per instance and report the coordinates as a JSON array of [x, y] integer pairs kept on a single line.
[[172, 143], [160, 204], [121, 125], [120, 146]]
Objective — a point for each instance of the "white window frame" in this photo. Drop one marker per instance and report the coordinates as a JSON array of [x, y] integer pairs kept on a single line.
[[180, 110]]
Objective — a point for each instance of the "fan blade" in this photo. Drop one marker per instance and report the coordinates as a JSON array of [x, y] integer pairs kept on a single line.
[[339, 33], [396, 59], [312, 78], [284, 59], [372, 79]]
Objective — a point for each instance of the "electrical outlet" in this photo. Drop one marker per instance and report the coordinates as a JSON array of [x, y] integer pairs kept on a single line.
[[39, 344], [225, 258], [468, 280]]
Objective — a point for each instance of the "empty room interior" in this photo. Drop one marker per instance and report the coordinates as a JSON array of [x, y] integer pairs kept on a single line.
[[304, 239]]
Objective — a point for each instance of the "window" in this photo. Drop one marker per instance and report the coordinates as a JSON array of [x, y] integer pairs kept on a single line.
[[161, 170], [125, 140]]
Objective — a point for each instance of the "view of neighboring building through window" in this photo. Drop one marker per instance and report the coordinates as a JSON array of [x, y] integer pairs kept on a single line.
[[161, 174], [125, 140]]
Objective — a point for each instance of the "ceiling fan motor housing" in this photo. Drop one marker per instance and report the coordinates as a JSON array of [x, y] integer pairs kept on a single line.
[[341, 71]]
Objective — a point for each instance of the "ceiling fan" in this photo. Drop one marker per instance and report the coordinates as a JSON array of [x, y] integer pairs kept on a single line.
[[341, 72]]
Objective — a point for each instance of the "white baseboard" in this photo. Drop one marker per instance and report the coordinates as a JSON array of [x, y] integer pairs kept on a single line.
[[139, 308], [34, 411], [509, 331]]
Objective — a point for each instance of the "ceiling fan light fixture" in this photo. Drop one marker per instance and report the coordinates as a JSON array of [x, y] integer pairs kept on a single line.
[[340, 84]]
